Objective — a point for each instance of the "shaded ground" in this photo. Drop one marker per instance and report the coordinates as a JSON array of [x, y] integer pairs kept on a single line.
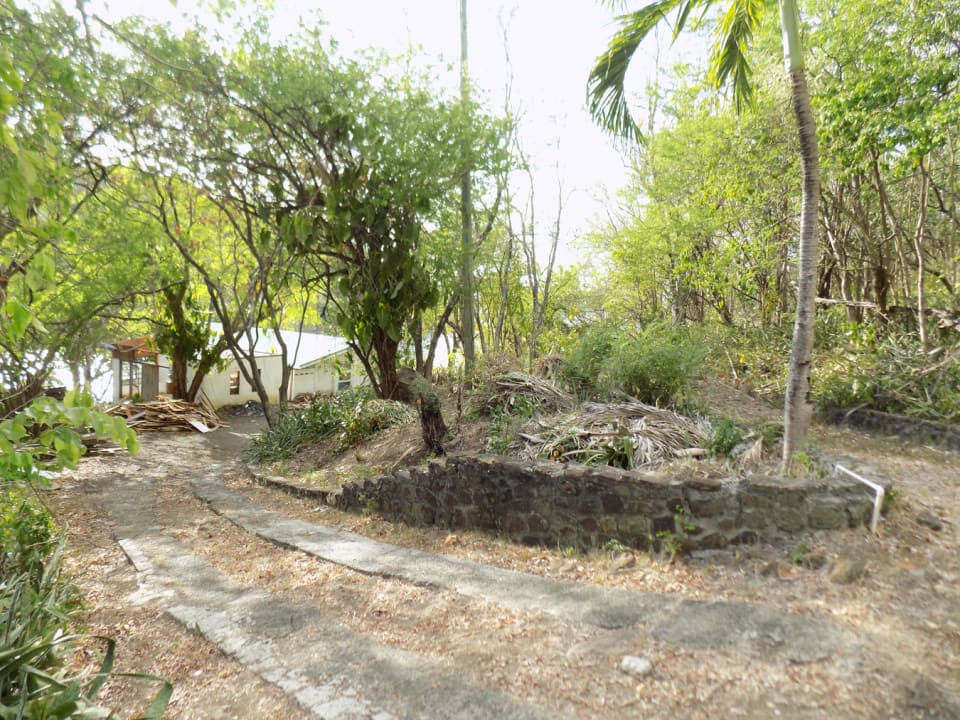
[[900, 617]]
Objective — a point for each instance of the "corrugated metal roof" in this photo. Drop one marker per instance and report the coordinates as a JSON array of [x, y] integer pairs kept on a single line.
[[312, 347]]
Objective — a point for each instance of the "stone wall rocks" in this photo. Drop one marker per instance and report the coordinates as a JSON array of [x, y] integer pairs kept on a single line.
[[553, 504]]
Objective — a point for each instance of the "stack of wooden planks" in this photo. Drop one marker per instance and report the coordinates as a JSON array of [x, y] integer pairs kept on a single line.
[[167, 415]]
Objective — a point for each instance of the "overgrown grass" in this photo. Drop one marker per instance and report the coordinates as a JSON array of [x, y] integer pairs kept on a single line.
[[892, 375], [349, 418], [27, 533], [757, 357], [865, 365], [36, 603]]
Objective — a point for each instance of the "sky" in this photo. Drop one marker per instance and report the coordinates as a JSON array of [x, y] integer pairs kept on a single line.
[[551, 46]]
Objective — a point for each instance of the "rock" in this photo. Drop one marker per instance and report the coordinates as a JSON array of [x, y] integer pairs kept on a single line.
[[771, 569], [815, 561], [925, 695], [928, 519], [847, 570], [623, 561], [637, 666]]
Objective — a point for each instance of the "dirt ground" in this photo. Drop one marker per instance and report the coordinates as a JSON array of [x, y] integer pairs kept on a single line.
[[904, 603]]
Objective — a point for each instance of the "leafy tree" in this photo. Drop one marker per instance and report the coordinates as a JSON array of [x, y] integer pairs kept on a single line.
[[329, 174], [32, 427], [737, 26], [704, 224], [58, 216], [889, 107]]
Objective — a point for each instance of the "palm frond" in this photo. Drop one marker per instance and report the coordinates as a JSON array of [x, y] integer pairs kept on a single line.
[[606, 94], [735, 32]]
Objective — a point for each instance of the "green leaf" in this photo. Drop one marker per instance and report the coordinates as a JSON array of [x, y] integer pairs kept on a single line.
[[19, 316]]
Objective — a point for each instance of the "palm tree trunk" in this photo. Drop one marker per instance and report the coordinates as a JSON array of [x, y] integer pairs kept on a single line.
[[918, 246], [798, 407], [466, 217]]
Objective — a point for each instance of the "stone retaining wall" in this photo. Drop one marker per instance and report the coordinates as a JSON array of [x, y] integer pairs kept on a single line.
[[554, 504]]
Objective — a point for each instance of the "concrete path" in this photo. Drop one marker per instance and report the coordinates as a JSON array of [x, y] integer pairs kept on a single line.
[[330, 670], [333, 671], [714, 625]]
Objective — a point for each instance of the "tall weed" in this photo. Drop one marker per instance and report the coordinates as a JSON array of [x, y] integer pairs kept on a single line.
[[27, 532]]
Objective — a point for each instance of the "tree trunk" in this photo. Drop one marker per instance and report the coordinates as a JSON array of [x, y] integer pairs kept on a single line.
[[438, 331], [918, 246], [178, 376], [420, 392], [466, 215], [798, 407], [385, 349], [416, 332]]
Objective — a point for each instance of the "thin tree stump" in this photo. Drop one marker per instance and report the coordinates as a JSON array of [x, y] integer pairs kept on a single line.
[[420, 392]]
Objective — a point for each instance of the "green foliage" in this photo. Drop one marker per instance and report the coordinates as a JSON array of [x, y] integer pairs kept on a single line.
[[369, 504], [703, 225], [349, 166], [725, 435], [889, 499], [891, 85], [36, 603], [799, 553], [672, 541], [658, 366], [27, 533], [655, 366], [681, 521], [891, 375], [44, 435], [802, 463], [753, 357], [349, 418], [506, 421], [614, 546], [584, 364], [669, 542]]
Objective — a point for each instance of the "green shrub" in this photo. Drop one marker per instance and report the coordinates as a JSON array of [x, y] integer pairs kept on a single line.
[[583, 367], [891, 375], [656, 365], [26, 533], [506, 421]]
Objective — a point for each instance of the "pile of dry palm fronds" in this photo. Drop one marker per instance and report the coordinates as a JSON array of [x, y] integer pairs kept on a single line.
[[625, 434], [506, 389], [167, 415]]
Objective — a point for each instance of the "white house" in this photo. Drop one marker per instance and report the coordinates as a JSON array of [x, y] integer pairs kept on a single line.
[[320, 364]]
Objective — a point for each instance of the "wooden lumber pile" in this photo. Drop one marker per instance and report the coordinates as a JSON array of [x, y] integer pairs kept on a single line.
[[167, 416]]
